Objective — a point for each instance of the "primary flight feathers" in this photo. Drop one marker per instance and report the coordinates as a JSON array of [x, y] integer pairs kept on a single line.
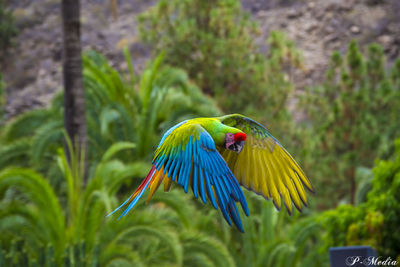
[[214, 156]]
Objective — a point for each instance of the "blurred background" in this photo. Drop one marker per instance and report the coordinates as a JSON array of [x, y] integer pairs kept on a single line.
[[323, 76]]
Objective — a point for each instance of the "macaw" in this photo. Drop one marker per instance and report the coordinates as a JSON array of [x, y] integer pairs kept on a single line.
[[214, 156]]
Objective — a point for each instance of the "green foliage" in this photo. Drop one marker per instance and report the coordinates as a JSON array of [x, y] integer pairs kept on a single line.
[[272, 99], [120, 108], [7, 27], [71, 229], [15, 153], [374, 222], [63, 223], [364, 178], [195, 34], [274, 238], [49, 218], [127, 111], [353, 116], [214, 42]]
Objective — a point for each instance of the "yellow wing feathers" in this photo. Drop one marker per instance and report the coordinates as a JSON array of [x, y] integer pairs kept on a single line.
[[266, 168]]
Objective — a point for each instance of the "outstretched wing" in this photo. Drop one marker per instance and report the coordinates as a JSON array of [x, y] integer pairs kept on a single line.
[[264, 166], [187, 155]]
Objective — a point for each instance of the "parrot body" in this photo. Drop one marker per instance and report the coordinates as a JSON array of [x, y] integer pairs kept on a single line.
[[214, 156]]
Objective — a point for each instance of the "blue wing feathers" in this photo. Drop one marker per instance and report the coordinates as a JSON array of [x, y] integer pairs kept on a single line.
[[184, 173], [222, 189], [208, 190], [187, 175], [194, 182], [226, 184], [201, 183], [174, 168], [214, 173], [178, 168], [167, 166], [234, 214], [123, 204], [199, 165], [220, 195], [136, 199], [180, 173], [186, 185], [159, 162]]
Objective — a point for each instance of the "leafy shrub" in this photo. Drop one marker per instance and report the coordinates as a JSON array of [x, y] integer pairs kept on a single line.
[[214, 42], [353, 118], [374, 222]]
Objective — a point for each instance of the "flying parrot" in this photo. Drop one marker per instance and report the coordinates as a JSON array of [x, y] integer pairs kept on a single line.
[[214, 156]]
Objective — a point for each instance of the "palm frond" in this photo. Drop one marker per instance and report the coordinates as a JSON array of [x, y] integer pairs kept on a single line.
[[15, 153], [25, 124]]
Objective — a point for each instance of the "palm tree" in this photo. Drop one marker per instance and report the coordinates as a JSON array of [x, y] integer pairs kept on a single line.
[[74, 98]]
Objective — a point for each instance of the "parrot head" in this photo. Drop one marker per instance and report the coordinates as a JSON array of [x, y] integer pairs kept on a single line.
[[235, 142]]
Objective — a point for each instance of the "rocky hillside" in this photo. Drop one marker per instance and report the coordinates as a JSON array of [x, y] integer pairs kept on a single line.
[[33, 69], [320, 27], [33, 74]]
